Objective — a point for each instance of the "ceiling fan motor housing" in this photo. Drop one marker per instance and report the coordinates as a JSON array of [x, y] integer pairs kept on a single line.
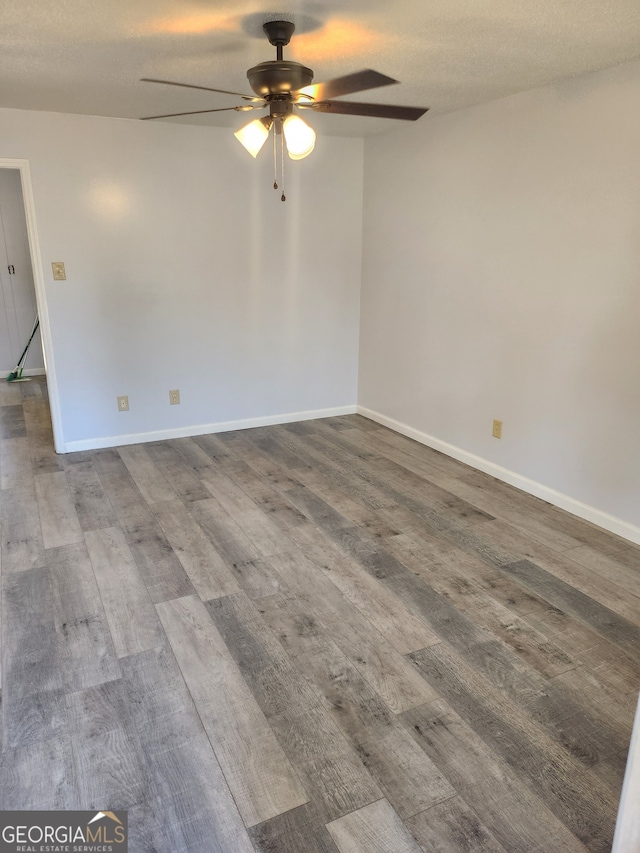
[[278, 77]]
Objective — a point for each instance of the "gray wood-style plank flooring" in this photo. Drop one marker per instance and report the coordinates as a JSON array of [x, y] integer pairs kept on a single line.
[[310, 638]]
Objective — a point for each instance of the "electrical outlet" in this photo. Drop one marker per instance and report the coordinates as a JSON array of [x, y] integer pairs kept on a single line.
[[174, 397], [123, 404], [497, 429], [58, 271]]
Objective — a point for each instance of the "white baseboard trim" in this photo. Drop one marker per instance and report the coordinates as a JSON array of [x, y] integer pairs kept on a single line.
[[30, 371], [575, 507], [204, 429]]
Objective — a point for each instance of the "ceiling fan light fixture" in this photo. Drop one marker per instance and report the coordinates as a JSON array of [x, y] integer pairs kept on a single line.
[[284, 85], [300, 139], [254, 135]]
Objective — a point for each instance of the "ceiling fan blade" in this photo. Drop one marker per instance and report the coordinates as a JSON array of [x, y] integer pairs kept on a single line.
[[347, 85], [204, 88], [199, 112], [352, 108]]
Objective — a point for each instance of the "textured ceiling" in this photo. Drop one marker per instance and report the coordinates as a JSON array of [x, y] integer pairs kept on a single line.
[[87, 56]]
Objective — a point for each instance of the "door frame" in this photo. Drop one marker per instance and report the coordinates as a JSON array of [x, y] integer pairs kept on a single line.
[[41, 295]]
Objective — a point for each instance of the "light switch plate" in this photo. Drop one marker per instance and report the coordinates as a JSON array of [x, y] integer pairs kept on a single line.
[[58, 271]]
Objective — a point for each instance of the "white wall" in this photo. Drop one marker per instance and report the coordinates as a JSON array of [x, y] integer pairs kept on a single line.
[[501, 279], [184, 270], [627, 835]]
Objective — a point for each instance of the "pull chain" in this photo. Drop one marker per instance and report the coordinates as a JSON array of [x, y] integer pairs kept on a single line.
[[275, 160], [283, 196]]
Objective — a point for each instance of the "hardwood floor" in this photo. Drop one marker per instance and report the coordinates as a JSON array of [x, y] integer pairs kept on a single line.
[[313, 638]]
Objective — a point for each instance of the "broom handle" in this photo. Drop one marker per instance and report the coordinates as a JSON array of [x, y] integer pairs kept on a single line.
[[24, 351]]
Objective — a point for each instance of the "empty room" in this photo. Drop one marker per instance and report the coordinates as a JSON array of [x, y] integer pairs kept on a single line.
[[319, 418]]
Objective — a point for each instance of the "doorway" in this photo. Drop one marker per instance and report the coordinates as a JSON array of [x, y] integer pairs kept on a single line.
[[23, 289], [18, 309]]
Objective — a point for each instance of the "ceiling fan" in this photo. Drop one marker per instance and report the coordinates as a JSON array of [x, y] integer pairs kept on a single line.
[[284, 87]]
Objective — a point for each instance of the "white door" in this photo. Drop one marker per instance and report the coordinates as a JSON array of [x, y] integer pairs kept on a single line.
[[17, 292]]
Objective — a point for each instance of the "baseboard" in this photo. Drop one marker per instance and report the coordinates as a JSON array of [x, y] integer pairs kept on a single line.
[[575, 507], [30, 371], [204, 429]]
